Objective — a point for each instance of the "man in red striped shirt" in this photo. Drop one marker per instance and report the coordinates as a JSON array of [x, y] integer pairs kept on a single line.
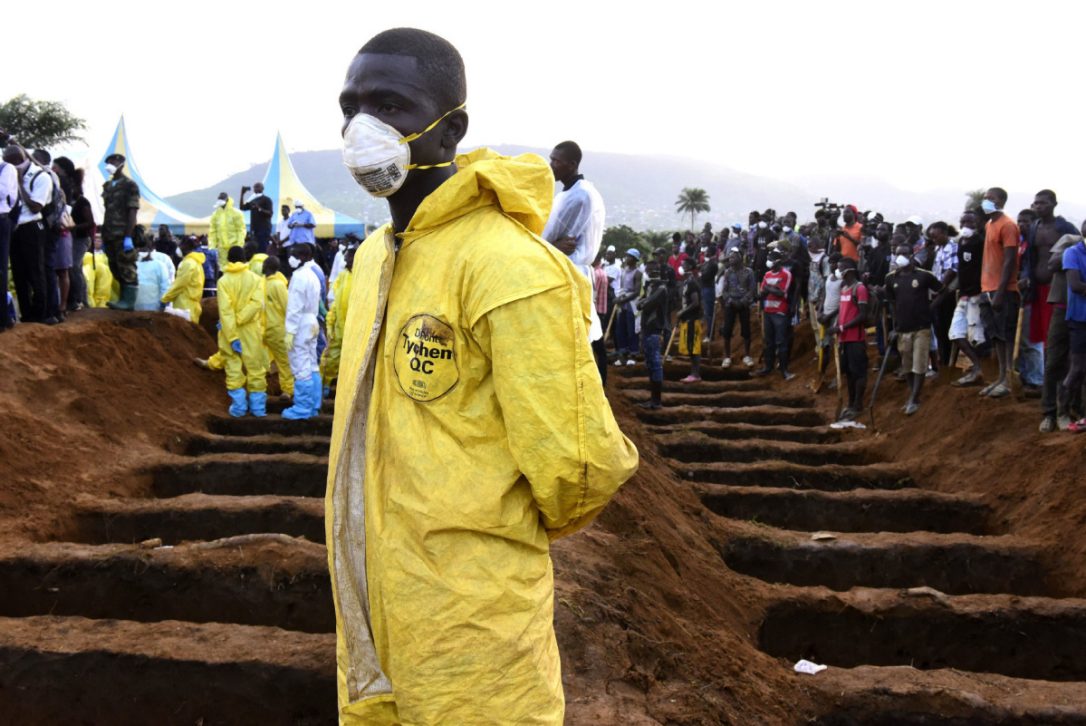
[[777, 318]]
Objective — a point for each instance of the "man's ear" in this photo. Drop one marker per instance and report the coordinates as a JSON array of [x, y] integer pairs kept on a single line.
[[455, 129]]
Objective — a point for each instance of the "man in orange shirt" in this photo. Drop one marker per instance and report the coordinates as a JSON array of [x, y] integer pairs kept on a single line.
[[849, 236], [999, 286]]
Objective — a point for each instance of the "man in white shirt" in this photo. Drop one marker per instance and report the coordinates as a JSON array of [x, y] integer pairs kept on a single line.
[[9, 199], [28, 241], [576, 226], [303, 302]]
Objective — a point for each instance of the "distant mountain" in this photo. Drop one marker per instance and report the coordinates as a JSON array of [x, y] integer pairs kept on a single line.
[[639, 191]]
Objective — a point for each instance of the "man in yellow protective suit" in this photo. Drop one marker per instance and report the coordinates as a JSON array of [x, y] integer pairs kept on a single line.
[[336, 321], [98, 275], [227, 227], [471, 428], [241, 335], [187, 290], [275, 317]]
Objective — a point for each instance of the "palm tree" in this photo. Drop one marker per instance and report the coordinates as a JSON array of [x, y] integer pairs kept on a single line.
[[973, 199], [691, 201]]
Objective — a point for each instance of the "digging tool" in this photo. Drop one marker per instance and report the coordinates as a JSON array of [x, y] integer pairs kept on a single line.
[[817, 385], [671, 340], [878, 380], [712, 327], [1018, 343], [610, 322], [840, 388]]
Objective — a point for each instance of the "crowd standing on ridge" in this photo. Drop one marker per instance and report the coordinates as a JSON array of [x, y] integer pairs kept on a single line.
[[924, 298]]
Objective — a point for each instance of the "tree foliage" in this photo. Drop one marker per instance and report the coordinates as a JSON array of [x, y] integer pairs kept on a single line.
[[39, 124], [623, 238], [692, 201], [973, 199]]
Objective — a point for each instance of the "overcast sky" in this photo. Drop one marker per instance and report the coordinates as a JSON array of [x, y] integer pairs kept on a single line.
[[926, 95]]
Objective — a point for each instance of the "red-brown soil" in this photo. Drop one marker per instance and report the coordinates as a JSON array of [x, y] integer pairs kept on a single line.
[[653, 627]]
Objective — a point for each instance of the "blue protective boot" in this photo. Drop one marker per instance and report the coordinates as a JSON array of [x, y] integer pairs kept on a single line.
[[258, 404], [303, 393], [318, 392], [238, 405]]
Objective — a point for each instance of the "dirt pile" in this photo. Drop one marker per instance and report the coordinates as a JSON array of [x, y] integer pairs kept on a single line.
[[89, 402]]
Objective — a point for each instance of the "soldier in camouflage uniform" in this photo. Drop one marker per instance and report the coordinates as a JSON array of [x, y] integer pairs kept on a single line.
[[121, 197]]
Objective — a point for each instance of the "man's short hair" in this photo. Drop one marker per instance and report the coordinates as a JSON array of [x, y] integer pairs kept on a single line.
[[235, 254], [1047, 193], [42, 156], [571, 151], [1000, 195], [439, 62]]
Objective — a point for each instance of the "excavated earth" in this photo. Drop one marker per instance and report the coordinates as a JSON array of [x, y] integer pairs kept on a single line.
[[163, 563]]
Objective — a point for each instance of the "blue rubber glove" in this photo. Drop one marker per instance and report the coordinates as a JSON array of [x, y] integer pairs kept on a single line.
[[236, 346], [128, 246], [218, 325]]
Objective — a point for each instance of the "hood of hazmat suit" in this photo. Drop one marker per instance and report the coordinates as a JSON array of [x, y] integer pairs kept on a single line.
[[470, 430]]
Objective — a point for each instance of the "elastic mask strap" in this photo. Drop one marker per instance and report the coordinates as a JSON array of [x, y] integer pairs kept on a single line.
[[412, 137]]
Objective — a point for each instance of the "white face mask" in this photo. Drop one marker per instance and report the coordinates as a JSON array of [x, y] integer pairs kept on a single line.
[[294, 262], [298, 210], [836, 274], [966, 233], [901, 260], [378, 156], [762, 225], [179, 251], [219, 203], [111, 169], [787, 230]]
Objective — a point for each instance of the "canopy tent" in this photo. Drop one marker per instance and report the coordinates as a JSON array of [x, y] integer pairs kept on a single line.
[[282, 185], [154, 210]]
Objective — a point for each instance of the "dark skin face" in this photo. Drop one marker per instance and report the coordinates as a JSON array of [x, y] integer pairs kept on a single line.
[[258, 188], [285, 211], [937, 236], [883, 232], [563, 168], [392, 89], [991, 196], [1024, 221], [904, 251], [1043, 206]]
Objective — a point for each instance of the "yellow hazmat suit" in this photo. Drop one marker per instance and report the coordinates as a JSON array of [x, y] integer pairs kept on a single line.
[[99, 278], [256, 264], [241, 315], [470, 430], [187, 290], [227, 229], [334, 324], [275, 332]]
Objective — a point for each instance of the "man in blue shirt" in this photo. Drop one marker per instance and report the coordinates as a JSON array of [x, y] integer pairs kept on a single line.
[[301, 225]]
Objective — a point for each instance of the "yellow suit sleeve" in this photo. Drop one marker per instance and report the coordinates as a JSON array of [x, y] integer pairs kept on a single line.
[[186, 274], [254, 306], [559, 424], [226, 311]]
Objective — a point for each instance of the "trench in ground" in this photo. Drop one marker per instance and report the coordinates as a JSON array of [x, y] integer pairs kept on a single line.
[[242, 478], [797, 476], [148, 589], [745, 452], [1013, 642], [956, 568], [174, 520], [856, 510]]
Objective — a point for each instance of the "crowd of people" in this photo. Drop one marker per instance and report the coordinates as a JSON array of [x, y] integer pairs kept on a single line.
[[923, 297], [62, 262]]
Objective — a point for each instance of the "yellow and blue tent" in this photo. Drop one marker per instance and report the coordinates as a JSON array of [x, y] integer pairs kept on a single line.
[[282, 185], [154, 210]]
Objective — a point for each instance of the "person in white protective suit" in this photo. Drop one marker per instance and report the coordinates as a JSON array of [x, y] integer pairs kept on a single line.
[[302, 328], [575, 227]]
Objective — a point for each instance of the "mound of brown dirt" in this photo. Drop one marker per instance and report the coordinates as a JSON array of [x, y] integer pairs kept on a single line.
[[86, 403]]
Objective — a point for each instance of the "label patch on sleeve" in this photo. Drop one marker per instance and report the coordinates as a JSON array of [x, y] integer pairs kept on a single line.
[[425, 358]]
